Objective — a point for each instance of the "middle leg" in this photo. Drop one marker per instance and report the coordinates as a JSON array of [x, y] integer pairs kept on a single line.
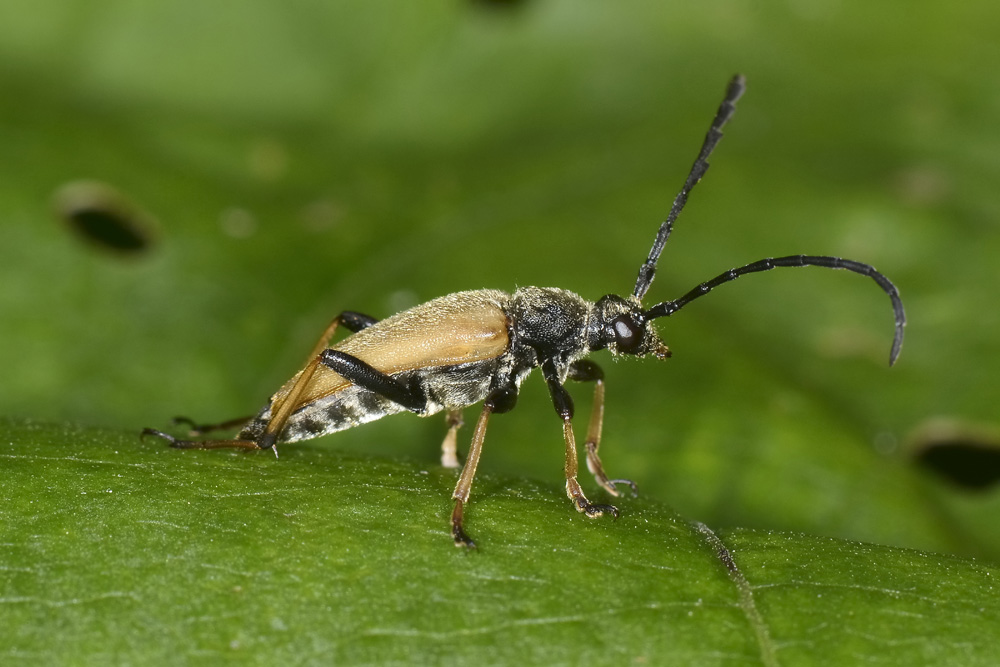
[[449, 446]]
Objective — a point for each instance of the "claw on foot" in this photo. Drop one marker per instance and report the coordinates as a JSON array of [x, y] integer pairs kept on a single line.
[[593, 510], [632, 485], [461, 539], [248, 445], [159, 434], [174, 442], [457, 532]]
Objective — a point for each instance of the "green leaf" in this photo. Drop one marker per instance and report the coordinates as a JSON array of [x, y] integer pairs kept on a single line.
[[281, 163], [128, 552], [327, 158]]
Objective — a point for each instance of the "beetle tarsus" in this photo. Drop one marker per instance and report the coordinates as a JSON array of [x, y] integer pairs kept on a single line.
[[195, 429], [611, 485], [457, 532], [159, 434], [178, 443], [627, 482], [597, 470], [593, 510]]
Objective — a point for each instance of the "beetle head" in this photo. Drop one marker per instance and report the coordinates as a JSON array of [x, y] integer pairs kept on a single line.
[[621, 326]]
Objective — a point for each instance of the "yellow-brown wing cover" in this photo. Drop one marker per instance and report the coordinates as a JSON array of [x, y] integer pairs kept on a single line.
[[455, 329]]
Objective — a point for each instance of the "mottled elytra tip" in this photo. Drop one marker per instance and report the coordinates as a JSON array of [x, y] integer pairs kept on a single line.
[[477, 347]]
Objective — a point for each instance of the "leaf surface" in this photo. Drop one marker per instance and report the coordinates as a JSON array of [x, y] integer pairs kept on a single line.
[[135, 551]]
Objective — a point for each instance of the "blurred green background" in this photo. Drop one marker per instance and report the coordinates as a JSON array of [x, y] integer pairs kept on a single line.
[[296, 159], [286, 161]]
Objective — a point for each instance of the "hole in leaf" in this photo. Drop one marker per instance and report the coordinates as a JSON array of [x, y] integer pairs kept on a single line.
[[967, 464], [104, 218], [965, 455]]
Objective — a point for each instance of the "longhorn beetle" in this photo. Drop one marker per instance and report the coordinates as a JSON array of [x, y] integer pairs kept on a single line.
[[475, 346]]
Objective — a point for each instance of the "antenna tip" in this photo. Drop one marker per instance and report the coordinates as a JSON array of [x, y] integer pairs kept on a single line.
[[897, 339], [897, 344], [737, 86]]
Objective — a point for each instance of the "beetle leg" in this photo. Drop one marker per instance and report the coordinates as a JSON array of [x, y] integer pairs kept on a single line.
[[573, 488], [449, 447], [352, 321], [464, 485], [195, 429], [503, 399], [280, 411], [199, 444], [363, 375], [588, 371], [564, 408]]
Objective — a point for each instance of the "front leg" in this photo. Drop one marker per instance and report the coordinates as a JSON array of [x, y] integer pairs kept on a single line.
[[588, 371], [564, 408]]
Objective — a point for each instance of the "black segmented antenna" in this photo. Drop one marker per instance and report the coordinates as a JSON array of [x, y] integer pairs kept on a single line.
[[670, 307], [728, 107]]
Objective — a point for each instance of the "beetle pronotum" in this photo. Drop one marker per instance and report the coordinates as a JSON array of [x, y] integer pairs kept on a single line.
[[467, 347]]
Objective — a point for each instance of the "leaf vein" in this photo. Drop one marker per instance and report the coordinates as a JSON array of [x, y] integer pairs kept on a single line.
[[768, 651]]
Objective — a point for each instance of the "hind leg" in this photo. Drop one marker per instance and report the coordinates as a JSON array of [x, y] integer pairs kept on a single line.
[[281, 411]]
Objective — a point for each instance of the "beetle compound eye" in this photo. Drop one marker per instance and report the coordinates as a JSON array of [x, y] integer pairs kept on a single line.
[[628, 335]]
